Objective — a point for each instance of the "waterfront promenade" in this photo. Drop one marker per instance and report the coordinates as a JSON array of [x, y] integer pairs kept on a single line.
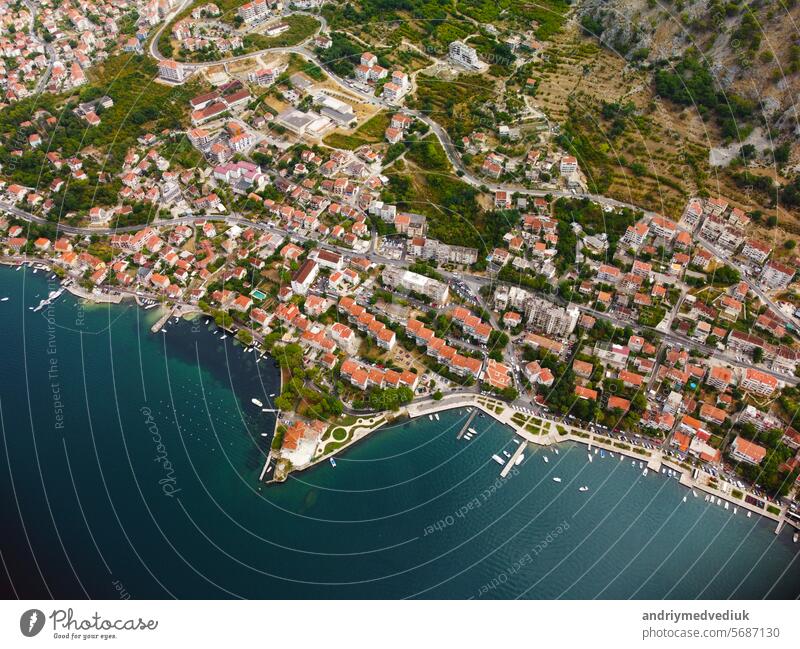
[[541, 431]]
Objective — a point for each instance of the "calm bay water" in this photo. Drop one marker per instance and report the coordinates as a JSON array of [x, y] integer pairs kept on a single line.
[[130, 461]]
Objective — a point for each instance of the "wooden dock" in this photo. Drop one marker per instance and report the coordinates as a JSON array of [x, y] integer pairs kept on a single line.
[[510, 464], [469, 421]]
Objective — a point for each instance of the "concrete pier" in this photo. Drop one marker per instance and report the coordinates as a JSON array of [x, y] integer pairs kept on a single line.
[[510, 464], [469, 421]]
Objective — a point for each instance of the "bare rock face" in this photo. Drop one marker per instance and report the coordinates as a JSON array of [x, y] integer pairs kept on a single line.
[[756, 64]]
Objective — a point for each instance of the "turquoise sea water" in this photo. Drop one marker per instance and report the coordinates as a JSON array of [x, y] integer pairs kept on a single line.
[[130, 462]]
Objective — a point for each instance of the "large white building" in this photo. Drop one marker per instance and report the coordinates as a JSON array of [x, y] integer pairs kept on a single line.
[[172, 71], [464, 54], [437, 291], [550, 319]]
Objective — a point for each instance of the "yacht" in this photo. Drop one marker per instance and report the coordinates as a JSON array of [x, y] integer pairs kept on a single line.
[[475, 432], [257, 402], [519, 459], [556, 479], [498, 459]]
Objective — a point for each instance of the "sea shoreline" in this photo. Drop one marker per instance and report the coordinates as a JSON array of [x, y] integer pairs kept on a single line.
[[556, 433]]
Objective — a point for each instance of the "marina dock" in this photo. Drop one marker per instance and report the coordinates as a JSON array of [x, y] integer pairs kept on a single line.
[[164, 319], [512, 461], [467, 425]]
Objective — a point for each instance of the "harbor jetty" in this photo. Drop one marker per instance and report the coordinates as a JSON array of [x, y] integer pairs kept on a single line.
[[513, 460], [466, 425]]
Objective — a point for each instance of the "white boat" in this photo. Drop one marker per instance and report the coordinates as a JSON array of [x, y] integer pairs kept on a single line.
[[333, 462], [18, 267], [475, 432], [519, 459], [506, 453], [633, 462], [641, 464], [663, 470], [611, 454], [498, 459], [645, 471], [694, 493], [795, 537], [34, 271], [555, 450], [515, 440], [556, 479], [684, 499], [430, 417], [590, 456], [595, 451], [437, 416], [726, 504], [749, 514], [4, 299], [272, 394], [264, 434], [735, 509], [223, 337], [546, 459], [257, 402], [706, 497], [584, 488], [163, 331]]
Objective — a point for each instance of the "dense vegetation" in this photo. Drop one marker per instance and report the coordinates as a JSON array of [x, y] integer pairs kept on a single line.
[[690, 83]]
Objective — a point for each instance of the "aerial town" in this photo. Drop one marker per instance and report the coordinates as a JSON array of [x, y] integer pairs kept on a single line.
[[288, 197]]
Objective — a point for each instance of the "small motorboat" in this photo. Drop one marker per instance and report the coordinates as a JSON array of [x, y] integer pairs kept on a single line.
[[684, 499], [498, 459], [749, 514], [556, 479], [430, 417], [590, 456], [546, 459], [333, 462], [506, 453], [257, 402], [584, 488], [437, 416], [4, 299], [645, 471], [519, 459], [795, 537], [555, 450], [735, 509]]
